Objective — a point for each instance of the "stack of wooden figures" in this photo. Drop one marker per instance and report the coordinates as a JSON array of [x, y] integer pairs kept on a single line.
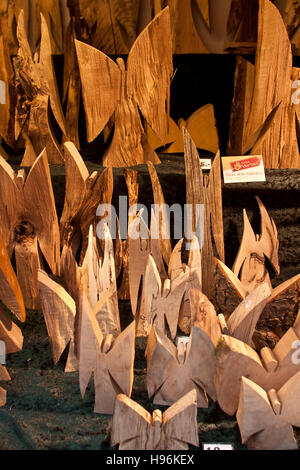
[[205, 326]]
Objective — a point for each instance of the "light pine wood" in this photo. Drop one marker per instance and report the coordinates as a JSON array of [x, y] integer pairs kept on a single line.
[[36, 80], [59, 311], [270, 127], [265, 419], [144, 85], [207, 191], [242, 322], [83, 194], [26, 226], [249, 264], [201, 126], [163, 300], [101, 284], [269, 370], [172, 372], [110, 361], [133, 428], [2, 397]]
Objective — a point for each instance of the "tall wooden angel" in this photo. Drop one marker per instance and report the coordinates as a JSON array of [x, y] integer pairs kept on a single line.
[[105, 350], [134, 428], [111, 90], [265, 418], [37, 92]]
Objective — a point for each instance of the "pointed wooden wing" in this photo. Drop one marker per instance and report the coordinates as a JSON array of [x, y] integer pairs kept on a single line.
[[160, 352], [130, 424], [48, 73], [216, 207], [243, 320], [120, 359], [38, 194], [201, 126], [269, 236], [289, 398], [152, 286], [254, 412], [59, 312], [91, 339], [10, 291], [149, 68], [247, 245], [10, 204], [10, 334], [101, 81], [180, 422]]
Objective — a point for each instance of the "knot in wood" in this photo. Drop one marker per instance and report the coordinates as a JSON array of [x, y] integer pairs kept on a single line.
[[24, 230]]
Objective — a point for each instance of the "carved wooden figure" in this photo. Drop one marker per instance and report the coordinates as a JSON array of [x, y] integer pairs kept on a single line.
[[264, 123], [249, 264], [280, 307], [172, 371], [109, 358], [205, 190], [109, 89], [265, 418], [201, 126], [36, 92], [269, 369], [163, 299], [83, 194], [29, 223], [134, 428]]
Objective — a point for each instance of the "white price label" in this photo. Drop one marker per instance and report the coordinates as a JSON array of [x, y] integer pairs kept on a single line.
[[218, 447]]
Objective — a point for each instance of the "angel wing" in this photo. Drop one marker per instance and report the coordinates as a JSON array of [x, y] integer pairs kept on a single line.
[[152, 288], [243, 320], [150, 68], [229, 290], [99, 97], [9, 198], [130, 424], [38, 190], [59, 312], [288, 396], [254, 412], [180, 424], [260, 420]]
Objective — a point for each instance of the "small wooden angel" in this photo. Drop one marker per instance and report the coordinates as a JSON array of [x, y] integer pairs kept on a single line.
[[265, 418], [133, 428]]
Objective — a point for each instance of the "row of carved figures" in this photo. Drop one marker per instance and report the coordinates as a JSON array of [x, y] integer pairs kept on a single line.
[[129, 103], [71, 272]]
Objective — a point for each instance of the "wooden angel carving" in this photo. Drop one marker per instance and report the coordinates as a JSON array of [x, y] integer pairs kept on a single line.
[[249, 264], [172, 371], [29, 225], [134, 428], [109, 359], [265, 123], [11, 338], [265, 418], [269, 369], [111, 90], [83, 194], [201, 126], [36, 92], [205, 191], [280, 307], [163, 298]]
